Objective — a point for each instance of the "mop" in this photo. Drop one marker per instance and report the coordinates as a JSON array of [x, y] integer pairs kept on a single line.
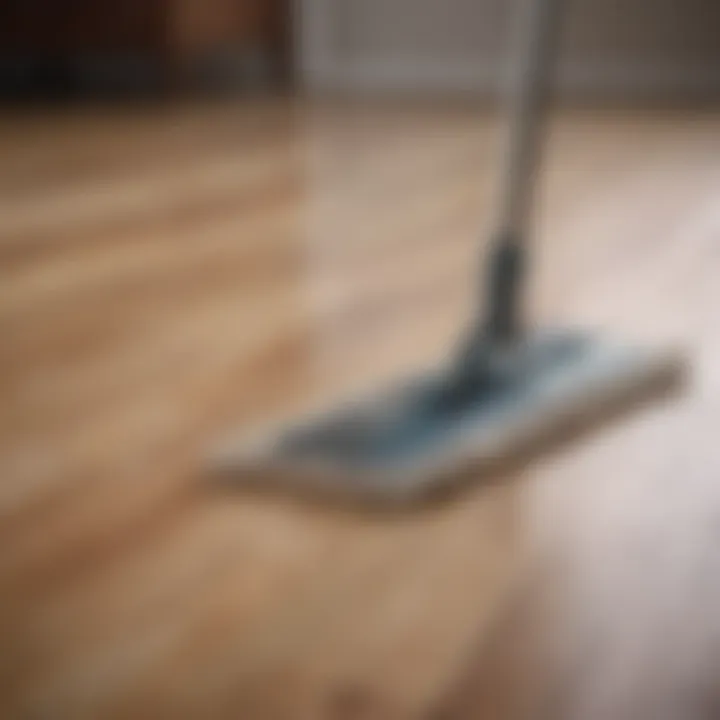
[[508, 393]]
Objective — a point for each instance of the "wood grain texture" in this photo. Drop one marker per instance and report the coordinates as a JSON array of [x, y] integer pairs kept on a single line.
[[170, 273]]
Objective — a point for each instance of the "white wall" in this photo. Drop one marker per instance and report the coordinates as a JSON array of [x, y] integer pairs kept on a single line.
[[610, 46]]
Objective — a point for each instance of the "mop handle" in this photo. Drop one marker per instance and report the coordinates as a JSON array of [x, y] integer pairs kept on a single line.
[[529, 95], [528, 101]]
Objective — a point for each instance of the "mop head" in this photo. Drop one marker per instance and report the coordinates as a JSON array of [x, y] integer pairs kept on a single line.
[[421, 440]]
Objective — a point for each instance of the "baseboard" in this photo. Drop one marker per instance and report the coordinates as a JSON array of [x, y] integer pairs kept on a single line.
[[119, 74], [485, 78]]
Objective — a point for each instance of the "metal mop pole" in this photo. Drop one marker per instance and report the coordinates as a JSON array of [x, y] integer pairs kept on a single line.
[[528, 105]]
